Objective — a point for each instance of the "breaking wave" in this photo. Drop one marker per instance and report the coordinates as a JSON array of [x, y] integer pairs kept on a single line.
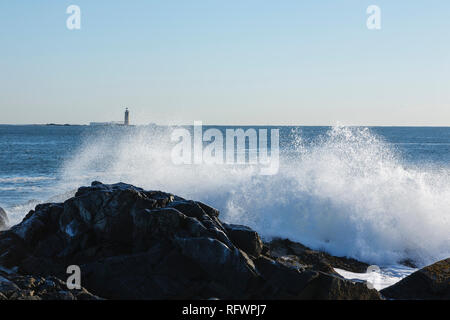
[[24, 179], [347, 192]]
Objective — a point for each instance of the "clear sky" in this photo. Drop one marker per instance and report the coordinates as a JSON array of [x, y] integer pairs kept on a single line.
[[226, 62]]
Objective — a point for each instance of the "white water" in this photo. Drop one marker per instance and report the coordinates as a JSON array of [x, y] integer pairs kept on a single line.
[[17, 212], [25, 179], [381, 279], [348, 193]]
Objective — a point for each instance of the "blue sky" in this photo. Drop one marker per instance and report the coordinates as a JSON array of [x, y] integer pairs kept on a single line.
[[226, 62]]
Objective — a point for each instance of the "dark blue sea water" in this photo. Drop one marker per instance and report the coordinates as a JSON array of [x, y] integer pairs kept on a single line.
[[378, 193]]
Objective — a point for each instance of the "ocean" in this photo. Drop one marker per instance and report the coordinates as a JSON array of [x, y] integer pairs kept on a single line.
[[377, 194]]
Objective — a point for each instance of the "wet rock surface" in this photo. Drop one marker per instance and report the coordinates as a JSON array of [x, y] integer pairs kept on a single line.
[[136, 244]]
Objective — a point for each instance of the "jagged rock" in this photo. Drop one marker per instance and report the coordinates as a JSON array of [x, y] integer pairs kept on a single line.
[[429, 283], [332, 287], [19, 287], [280, 281], [245, 238], [285, 281], [3, 219], [136, 244], [318, 260]]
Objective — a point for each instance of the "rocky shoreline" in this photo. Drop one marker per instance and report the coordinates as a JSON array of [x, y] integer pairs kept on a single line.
[[135, 244]]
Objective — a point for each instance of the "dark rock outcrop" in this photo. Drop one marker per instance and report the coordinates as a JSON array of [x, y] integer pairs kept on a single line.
[[429, 283], [245, 238], [318, 260], [3, 219], [136, 244], [286, 281]]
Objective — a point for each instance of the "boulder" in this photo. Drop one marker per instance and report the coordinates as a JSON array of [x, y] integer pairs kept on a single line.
[[131, 243], [429, 283], [245, 238]]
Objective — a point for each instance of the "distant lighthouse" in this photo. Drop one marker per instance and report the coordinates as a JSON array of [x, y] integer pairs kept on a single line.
[[127, 118]]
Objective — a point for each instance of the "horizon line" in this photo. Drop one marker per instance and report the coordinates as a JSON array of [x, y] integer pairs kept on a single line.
[[225, 125]]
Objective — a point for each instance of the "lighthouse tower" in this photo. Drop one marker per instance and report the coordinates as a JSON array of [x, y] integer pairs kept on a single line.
[[127, 118]]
